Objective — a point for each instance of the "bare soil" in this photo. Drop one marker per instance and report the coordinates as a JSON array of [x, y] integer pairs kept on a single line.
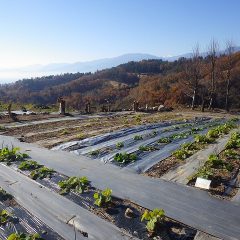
[[50, 134], [163, 167], [53, 133], [25, 118]]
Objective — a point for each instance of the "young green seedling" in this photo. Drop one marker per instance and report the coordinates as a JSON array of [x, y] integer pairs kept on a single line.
[[4, 195], [41, 173], [95, 152], [120, 145], [29, 165], [24, 236], [138, 137], [164, 140], [153, 218], [125, 157], [103, 198], [77, 184], [147, 148], [4, 217], [11, 155]]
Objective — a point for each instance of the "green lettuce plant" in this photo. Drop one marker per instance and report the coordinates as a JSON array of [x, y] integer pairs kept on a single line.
[[125, 157], [41, 173], [138, 137], [77, 184], [29, 165], [9, 156], [153, 218], [24, 236], [5, 216], [103, 198]]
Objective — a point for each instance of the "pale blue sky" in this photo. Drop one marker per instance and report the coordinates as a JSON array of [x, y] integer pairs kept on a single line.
[[47, 31]]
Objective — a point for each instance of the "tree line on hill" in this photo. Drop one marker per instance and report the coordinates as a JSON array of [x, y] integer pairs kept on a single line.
[[212, 81]]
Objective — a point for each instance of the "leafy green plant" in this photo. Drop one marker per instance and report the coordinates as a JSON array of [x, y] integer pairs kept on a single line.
[[103, 198], [215, 132], [231, 154], [232, 144], [234, 141], [203, 172], [11, 155], [203, 139], [186, 150], [154, 133], [196, 129], [212, 133], [189, 146], [214, 161], [138, 137], [125, 157], [41, 173], [164, 140], [138, 119], [5, 216], [147, 148], [95, 152], [64, 132], [180, 135], [77, 184], [182, 154], [120, 145], [24, 236], [4, 195], [235, 135], [153, 218], [81, 136], [29, 165], [225, 128]]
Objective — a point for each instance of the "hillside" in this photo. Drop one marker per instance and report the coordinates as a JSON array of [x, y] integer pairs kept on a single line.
[[150, 82], [9, 74]]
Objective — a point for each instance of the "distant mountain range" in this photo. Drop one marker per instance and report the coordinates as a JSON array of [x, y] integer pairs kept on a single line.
[[13, 74]]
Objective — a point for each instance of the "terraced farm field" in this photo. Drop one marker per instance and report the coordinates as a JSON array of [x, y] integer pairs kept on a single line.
[[121, 176]]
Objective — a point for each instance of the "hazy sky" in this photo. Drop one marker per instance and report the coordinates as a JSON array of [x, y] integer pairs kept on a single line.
[[47, 31]]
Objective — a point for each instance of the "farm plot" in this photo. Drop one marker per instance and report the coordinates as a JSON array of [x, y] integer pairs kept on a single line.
[[52, 132], [178, 161], [138, 149], [149, 193], [106, 140], [222, 169], [134, 219], [16, 222]]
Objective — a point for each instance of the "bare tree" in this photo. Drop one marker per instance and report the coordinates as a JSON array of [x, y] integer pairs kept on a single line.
[[193, 74], [212, 53], [229, 66], [203, 94]]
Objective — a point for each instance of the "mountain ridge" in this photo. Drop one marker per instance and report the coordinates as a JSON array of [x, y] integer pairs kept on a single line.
[[38, 70]]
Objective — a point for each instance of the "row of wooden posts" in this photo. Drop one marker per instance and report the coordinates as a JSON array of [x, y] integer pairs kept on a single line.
[[88, 107]]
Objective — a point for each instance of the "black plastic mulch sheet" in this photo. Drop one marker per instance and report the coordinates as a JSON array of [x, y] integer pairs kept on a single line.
[[22, 221]]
